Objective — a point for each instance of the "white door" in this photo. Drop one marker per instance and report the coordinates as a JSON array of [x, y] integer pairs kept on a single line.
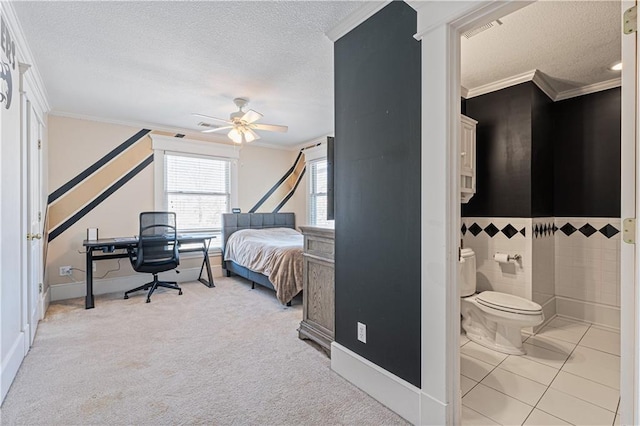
[[34, 218], [629, 260]]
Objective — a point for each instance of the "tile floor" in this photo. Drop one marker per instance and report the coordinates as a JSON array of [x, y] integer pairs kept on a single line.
[[570, 375]]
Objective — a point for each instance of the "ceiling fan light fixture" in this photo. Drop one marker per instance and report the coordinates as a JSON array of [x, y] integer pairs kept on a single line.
[[235, 135], [249, 136]]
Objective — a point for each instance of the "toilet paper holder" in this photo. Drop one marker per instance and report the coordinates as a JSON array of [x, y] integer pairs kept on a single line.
[[501, 257]]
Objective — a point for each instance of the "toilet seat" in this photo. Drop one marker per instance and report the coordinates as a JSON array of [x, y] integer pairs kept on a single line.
[[508, 303]]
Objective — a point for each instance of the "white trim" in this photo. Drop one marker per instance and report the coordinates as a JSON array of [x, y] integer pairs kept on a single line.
[[543, 84], [192, 146], [501, 84], [11, 363], [355, 18], [590, 88], [113, 285], [155, 126], [45, 301], [400, 396], [629, 262], [315, 153], [464, 92], [22, 49]]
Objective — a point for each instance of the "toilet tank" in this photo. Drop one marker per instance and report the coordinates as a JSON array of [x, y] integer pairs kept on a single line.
[[467, 272]]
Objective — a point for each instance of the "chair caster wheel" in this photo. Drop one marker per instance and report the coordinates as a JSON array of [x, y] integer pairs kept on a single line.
[[148, 300], [180, 293], [126, 297]]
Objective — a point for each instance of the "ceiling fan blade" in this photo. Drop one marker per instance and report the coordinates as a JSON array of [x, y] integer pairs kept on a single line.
[[252, 133], [270, 127], [251, 116], [211, 118], [217, 129]]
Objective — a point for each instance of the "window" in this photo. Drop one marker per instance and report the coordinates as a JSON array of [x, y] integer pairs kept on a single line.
[[198, 190], [318, 193], [197, 180]]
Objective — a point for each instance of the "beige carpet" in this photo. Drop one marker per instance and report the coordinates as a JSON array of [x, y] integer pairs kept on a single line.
[[226, 355]]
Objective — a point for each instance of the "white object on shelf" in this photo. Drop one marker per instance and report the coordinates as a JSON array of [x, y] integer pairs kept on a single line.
[[467, 158]]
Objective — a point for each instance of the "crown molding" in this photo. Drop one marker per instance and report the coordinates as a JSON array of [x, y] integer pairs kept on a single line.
[[464, 92], [500, 84], [591, 88], [193, 134], [39, 93], [355, 18], [540, 80]]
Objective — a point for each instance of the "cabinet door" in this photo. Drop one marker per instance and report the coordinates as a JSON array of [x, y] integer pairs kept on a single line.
[[467, 147]]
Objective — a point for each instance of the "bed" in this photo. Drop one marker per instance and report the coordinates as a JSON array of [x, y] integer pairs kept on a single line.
[[267, 252]]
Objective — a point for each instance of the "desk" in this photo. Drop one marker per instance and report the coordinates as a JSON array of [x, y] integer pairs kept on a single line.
[[109, 245]]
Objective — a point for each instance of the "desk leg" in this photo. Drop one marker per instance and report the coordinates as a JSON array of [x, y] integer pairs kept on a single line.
[[206, 263], [88, 300]]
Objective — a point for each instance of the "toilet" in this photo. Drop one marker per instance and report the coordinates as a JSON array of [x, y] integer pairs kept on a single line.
[[493, 319]]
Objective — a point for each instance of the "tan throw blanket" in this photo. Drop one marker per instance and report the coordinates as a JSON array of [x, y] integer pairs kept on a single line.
[[274, 252]]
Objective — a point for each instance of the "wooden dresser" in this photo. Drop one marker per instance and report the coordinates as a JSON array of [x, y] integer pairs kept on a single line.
[[318, 302]]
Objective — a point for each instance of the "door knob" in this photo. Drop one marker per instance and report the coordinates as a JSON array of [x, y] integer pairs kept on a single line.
[[37, 236], [29, 237]]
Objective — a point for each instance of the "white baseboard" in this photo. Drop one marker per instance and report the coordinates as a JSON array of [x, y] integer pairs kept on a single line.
[[395, 393], [45, 301], [111, 285], [595, 313], [11, 364]]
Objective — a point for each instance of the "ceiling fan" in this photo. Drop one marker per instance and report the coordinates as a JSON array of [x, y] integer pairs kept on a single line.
[[242, 124]]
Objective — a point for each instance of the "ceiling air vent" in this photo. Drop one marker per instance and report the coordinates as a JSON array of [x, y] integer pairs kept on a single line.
[[203, 124], [485, 27]]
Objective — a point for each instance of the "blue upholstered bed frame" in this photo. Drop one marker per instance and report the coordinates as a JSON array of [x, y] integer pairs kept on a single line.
[[232, 222]]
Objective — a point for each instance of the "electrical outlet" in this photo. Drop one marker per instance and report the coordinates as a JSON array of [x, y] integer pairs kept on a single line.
[[362, 332], [65, 270]]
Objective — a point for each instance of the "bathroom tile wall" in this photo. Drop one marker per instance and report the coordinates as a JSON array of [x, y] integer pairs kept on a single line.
[[543, 260], [587, 268], [487, 236], [569, 265]]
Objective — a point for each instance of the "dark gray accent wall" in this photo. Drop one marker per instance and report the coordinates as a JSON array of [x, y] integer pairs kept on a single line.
[[503, 153], [377, 191], [542, 176], [537, 158], [587, 155]]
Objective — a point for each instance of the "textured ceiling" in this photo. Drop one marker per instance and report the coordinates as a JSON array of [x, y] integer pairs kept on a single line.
[[572, 42], [158, 62]]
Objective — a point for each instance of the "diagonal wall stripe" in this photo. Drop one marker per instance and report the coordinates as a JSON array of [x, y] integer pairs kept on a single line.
[[290, 194], [95, 166], [277, 185], [271, 204], [96, 183], [103, 196]]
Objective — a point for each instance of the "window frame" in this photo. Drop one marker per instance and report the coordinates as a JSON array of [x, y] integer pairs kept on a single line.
[[314, 154], [162, 145]]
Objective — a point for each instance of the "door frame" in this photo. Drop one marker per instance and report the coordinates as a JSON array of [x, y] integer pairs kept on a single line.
[[440, 25]]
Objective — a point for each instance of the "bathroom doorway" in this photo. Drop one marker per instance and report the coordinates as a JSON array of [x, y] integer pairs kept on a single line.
[[535, 234]]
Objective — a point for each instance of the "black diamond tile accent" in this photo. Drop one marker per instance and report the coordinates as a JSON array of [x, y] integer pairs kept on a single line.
[[491, 229], [464, 229], [509, 231], [568, 228], [475, 229], [587, 230], [555, 228], [536, 230], [522, 231], [608, 230]]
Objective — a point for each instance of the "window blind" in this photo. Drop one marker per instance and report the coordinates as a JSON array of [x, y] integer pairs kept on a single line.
[[198, 190], [318, 193]]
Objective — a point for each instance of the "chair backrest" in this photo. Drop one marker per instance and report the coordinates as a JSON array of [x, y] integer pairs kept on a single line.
[[158, 243]]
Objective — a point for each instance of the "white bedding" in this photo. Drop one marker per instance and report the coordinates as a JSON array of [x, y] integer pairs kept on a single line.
[[274, 252]]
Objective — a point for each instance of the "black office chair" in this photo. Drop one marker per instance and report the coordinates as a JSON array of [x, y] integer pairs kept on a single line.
[[157, 250]]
